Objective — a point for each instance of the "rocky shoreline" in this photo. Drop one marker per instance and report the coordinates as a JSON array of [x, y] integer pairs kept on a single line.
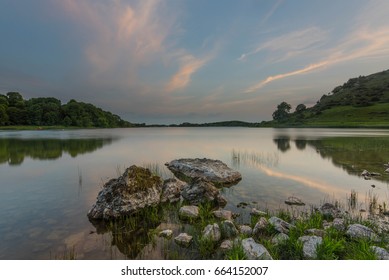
[[325, 233]]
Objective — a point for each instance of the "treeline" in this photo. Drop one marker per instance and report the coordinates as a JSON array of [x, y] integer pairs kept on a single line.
[[48, 111]]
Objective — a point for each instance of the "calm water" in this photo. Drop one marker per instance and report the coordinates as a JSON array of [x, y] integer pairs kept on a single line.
[[50, 179]]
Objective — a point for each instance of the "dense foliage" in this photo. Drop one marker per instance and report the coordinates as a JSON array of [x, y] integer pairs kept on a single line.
[[48, 111], [361, 101]]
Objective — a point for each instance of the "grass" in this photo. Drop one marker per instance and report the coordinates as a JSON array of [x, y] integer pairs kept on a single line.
[[236, 252]]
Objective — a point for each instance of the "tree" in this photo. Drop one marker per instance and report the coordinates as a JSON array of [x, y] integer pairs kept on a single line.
[[300, 108], [282, 112]]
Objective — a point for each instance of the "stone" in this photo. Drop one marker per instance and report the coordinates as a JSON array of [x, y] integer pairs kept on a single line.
[[189, 212], [330, 210], [292, 200], [212, 232], [280, 225], [228, 229], [167, 233], [326, 224], [201, 191], [245, 230], [256, 212], [361, 231], [210, 170], [226, 245], [381, 253], [260, 226], [254, 250], [134, 190], [315, 231], [339, 224], [223, 214], [310, 244], [171, 190], [279, 238], [183, 239]]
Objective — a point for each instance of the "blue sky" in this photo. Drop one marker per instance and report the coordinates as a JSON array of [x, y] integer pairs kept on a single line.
[[174, 61]]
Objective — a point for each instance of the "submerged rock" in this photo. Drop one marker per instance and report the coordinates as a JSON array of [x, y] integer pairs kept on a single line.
[[254, 250], [256, 212], [136, 189], [213, 171]]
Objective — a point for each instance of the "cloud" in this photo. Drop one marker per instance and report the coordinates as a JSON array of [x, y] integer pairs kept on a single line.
[[361, 44], [293, 42], [123, 35], [188, 66], [271, 12], [269, 79]]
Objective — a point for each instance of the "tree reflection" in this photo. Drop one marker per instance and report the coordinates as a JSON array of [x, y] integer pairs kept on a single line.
[[283, 144], [13, 150]]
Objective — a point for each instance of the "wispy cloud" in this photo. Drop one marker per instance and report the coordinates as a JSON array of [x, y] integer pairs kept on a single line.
[[269, 79], [123, 35], [188, 66], [271, 12], [363, 43], [293, 42]]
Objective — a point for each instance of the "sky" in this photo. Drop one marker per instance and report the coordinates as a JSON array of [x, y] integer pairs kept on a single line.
[[174, 61]]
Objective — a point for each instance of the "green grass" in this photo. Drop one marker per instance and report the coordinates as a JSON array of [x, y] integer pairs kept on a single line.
[[236, 253], [348, 116]]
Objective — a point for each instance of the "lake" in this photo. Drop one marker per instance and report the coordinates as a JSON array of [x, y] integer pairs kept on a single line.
[[50, 179]]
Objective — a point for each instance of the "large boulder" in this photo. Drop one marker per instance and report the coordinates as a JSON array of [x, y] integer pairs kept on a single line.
[[210, 170], [136, 189], [212, 232], [189, 212], [201, 191], [171, 190]]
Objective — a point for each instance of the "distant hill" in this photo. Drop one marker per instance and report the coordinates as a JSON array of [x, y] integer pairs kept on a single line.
[[48, 111], [360, 102]]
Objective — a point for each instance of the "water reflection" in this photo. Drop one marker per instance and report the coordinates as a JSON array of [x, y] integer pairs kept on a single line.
[[13, 150], [352, 154]]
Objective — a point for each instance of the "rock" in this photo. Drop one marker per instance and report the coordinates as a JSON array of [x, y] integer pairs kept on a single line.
[[200, 191], [136, 189], [256, 212], [260, 226], [226, 245], [361, 231], [210, 170], [212, 232], [228, 229], [254, 250], [292, 200], [245, 230], [189, 212], [375, 174], [365, 173], [183, 239], [330, 210], [326, 224], [310, 244], [315, 231], [280, 225], [223, 214], [339, 224], [167, 233], [171, 190], [381, 253], [279, 238]]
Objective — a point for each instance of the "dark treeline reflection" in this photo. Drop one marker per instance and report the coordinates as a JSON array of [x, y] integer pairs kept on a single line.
[[352, 154], [13, 151]]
